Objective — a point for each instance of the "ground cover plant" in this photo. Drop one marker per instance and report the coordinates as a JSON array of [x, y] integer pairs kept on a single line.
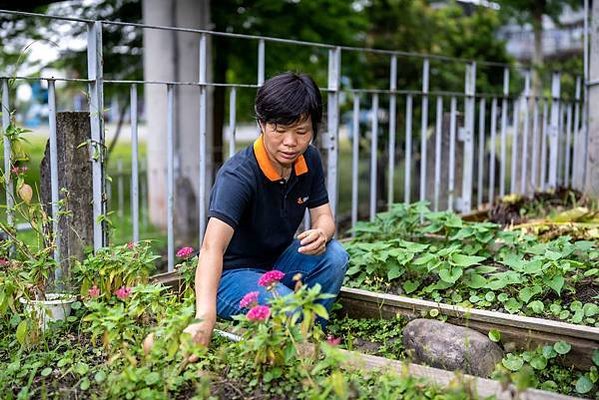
[[412, 251], [125, 339]]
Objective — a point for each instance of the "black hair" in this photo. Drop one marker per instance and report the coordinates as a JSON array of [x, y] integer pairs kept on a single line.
[[289, 98]]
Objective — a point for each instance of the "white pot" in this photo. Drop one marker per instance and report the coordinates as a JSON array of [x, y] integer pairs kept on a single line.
[[56, 307]]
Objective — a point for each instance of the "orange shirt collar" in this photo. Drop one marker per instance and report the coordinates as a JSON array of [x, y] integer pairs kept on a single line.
[[268, 169]]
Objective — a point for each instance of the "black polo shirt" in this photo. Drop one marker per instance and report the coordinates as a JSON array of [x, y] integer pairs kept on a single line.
[[264, 209]]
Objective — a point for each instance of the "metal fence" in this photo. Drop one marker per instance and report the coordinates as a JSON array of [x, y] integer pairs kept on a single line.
[[545, 135]]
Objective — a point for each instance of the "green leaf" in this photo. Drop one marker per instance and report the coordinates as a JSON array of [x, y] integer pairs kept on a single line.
[[152, 378], [494, 335], [528, 292], [512, 362], [76, 305], [555, 309], [502, 297], [100, 376], [595, 357], [450, 276], [84, 384], [533, 267], [584, 385], [433, 313], [410, 286], [590, 309], [46, 371], [476, 281], [538, 362], [549, 352], [536, 306], [562, 347], [512, 305], [557, 283], [466, 261], [22, 332], [490, 297], [394, 272]]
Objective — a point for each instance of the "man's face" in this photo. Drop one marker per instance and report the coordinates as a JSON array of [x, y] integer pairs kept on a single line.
[[285, 143]]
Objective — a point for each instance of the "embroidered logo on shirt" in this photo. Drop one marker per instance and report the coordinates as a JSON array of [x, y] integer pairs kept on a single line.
[[302, 200]]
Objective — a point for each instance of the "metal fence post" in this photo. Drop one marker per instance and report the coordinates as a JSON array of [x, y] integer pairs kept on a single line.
[[392, 128], [438, 140], [492, 152], [408, 151], [424, 127], [333, 124], [576, 163], [96, 106], [134, 165], [525, 132], [203, 122], [261, 53], [170, 149], [553, 131], [232, 120], [468, 133], [355, 161], [374, 131], [481, 150], [54, 195], [10, 192], [503, 148]]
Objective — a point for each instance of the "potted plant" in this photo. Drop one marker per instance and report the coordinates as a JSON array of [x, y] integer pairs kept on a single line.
[[29, 257]]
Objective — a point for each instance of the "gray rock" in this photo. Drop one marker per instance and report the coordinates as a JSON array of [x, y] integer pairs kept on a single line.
[[442, 345]]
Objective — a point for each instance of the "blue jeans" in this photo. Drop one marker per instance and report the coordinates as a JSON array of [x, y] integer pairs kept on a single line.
[[327, 269]]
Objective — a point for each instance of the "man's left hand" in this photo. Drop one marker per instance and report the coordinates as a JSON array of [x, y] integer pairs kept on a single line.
[[313, 242]]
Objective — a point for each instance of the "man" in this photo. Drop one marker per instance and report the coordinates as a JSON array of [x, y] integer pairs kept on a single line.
[[257, 204]]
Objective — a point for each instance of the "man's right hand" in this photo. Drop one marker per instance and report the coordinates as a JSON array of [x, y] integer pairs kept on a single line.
[[201, 332]]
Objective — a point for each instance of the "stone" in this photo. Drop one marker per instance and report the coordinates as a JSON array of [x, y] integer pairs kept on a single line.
[[451, 347]]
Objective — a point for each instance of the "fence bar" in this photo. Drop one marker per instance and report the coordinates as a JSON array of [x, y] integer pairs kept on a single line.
[[134, 165], [492, 150], [534, 166], [560, 145], [514, 160], [438, 133], [355, 162], [143, 188], [203, 122], [54, 177], [170, 148], [408, 166], [568, 145], [373, 155], [468, 138], [585, 110], [10, 201], [261, 51], [232, 120], [504, 106], [544, 137], [424, 127], [576, 171], [392, 129], [452, 139], [525, 132], [481, 151], [120, 187], [96, 106], [333, 124], [553, 131]]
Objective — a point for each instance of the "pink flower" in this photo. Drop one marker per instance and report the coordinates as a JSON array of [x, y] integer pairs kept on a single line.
[[131, 245], [249, 299], [333, 341], [185, 252], [94, 292], [24, 169], [123, 292], [270, 278], [14, 170], [258, 313], [4, 262]]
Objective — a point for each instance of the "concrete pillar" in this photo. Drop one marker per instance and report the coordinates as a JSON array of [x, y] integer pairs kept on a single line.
[[173, 56]]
